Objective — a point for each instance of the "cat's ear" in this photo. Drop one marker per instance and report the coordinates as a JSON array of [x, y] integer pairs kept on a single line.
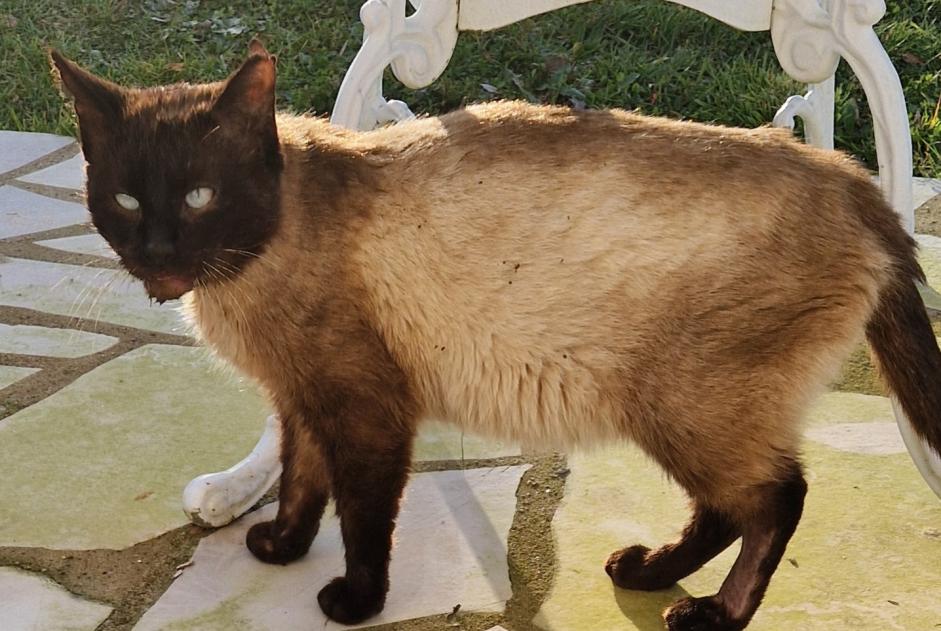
[[247, 99], [98, 102]]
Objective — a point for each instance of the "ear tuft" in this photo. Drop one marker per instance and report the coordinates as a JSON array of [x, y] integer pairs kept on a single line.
[[255, 47]]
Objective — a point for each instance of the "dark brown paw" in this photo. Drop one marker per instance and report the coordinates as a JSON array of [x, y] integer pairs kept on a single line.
[[628, 569], [341, 602], [700, 614], [271, 546]]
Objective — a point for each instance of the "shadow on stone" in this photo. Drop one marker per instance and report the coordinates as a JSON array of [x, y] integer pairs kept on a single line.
[[644, 609]]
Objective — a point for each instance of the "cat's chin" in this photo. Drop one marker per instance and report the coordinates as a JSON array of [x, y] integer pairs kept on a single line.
[[165, 287]]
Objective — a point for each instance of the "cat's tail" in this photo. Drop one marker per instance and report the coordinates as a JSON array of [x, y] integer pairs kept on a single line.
[[905, 346]]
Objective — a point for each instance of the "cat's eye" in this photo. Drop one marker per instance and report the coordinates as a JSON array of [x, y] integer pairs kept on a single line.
[[199, 197], [126, 202]]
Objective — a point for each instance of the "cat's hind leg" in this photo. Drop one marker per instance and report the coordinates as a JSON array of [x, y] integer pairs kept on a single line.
[[303, 496], [708, 533], [767, 523]]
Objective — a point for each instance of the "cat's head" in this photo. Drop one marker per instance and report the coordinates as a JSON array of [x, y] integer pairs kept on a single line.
[[183, 180]]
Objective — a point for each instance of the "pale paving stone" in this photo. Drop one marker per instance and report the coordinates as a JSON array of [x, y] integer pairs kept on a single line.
[[451, 539], [878, 439], [75, 291], [40, 340], [34, 603], [929, 255], [864, 540], [857, 423], [11, 374], [923, 189], [836, 408], [18, 148], [103, 462], [67, 174], [84, 244], [442, 441], [23, 212]]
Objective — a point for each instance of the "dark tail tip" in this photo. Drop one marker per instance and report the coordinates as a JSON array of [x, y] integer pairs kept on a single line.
[[904, 343]]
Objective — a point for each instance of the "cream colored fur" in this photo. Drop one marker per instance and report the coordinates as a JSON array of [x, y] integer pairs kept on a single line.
[[558, 282]]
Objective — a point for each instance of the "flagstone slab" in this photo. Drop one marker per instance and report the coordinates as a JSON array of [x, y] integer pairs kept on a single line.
[[923, 189], [98, 294], [92, 244], [868, 539], [34, 603], [23, 212], [66, 174], [450, 548], [438, 440], [879, 439], [929, 255], [49, 342], [18, 148], [11, 374], [102, 463], [856, 423]]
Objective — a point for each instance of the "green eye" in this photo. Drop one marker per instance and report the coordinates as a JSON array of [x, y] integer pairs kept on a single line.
[[199, 197], [126, 202]]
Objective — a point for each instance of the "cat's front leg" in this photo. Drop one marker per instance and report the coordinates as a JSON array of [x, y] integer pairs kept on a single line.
[[304, 491], [369, 465]]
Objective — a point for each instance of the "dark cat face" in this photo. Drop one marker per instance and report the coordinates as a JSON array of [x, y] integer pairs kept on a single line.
[[183, 181]]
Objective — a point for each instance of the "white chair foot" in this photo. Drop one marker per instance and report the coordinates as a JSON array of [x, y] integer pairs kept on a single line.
[[215, 499]]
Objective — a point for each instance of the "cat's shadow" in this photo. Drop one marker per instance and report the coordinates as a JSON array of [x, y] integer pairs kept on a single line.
[[644, 609]]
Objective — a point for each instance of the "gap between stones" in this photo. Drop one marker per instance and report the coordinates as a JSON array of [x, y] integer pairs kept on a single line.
[[132, 580], [59, 155], [58, 372]]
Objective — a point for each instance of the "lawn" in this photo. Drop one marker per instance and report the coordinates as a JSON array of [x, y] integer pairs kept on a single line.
[[644, 54]]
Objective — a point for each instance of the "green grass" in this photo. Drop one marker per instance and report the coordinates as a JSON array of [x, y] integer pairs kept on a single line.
[[644, 54]]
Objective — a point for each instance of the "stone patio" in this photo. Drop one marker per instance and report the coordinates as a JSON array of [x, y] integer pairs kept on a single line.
[[107, 409]]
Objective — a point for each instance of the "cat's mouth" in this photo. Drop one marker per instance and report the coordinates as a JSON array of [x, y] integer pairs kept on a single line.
[[163, 287]]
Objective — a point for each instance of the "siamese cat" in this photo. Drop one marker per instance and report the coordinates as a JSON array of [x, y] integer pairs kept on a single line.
[[537, 274]]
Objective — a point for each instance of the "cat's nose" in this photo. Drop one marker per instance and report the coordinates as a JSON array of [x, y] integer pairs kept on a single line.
[[159, 250]]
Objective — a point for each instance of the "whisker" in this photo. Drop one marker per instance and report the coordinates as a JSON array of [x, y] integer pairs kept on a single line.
[[78, 302], [233, 299], [99, 302], [209, 133], [252, 255], [213, 271], [227, 266], [86, 317], [238, 307]]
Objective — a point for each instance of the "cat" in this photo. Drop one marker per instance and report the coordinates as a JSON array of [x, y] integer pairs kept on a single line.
[[534, 273]]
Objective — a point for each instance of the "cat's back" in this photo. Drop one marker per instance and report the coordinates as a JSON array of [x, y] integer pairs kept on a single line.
[[517, 154], [524, 262], [530, 199]]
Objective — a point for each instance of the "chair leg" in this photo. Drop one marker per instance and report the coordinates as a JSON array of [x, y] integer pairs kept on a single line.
[[417, 46], [816, 110], [215, 499]]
